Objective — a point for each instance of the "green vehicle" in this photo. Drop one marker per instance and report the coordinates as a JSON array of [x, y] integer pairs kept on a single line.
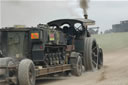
[[61, 46]]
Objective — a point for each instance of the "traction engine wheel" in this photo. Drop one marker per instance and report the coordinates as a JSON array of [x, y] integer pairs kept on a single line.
[[76, 63], [100, 59], [91, 54]]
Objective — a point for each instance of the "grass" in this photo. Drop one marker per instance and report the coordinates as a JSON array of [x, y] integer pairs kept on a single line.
[[113, 41]]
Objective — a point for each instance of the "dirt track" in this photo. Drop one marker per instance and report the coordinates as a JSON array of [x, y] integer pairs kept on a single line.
[[114, 72]]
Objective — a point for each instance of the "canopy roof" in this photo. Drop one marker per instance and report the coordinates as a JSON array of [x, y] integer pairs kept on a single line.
[[59, 22]]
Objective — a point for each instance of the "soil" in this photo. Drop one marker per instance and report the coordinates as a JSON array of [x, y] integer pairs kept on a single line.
[[114, 72]]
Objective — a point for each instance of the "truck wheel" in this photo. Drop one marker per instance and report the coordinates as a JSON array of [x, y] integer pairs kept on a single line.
[[26, 73], [6, 62], [76, 63], [91, 54], [100, 59], [6, 73]]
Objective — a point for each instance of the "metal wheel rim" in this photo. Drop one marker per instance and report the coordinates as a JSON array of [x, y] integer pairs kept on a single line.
[[31, 77], [79, 67], [94, 55]]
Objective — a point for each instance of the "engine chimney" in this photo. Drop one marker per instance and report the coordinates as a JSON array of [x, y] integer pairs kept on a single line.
[[86, 16]]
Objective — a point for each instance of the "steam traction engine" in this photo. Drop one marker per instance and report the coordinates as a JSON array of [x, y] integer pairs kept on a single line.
[[61, 46]]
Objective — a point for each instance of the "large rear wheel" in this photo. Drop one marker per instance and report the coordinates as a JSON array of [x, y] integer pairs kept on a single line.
[[84, 54], [100, 59], [91, 54]]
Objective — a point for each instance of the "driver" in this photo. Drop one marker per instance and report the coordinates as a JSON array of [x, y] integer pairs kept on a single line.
[[70, 37], [70, 34]]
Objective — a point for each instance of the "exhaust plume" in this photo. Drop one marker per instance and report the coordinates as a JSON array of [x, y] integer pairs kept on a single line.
[[84, 5]]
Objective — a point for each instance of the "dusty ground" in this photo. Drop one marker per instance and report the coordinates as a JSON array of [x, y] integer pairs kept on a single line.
[[114, 72]]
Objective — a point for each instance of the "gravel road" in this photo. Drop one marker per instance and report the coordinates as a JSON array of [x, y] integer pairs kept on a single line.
[[114, 72]]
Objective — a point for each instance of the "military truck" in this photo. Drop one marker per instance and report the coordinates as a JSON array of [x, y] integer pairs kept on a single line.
[[60, 46]]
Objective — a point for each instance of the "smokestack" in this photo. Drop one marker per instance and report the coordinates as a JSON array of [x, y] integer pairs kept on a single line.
[[85, 16], [84, 6]]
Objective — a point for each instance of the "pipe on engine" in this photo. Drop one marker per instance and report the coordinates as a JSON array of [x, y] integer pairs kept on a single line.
[[86, 16]]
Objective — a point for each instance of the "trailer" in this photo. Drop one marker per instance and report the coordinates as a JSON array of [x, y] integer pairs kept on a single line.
[[60, 46]]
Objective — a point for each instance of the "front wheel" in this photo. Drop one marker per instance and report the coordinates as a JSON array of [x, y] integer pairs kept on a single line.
[[26, 72], [76, 63]]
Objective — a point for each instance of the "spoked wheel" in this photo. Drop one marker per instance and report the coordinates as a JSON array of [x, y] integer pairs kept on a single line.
[[84, 60], [94, 55], [100, 59], [76, 63], [91, 54], [79, 65]]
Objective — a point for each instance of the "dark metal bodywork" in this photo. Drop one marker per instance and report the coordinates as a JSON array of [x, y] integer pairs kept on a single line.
[[19, 40]]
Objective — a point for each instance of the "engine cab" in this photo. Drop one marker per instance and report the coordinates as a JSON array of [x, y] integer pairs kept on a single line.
[[75, 31]]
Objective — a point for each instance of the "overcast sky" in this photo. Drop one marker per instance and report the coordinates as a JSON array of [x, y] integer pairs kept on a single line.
[[31, 13]]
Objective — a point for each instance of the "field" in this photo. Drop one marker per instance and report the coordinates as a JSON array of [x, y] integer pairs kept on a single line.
[[112, 42]]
